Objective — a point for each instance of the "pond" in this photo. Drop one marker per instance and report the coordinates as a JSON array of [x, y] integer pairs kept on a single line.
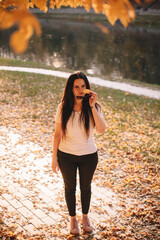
[[131, 53]]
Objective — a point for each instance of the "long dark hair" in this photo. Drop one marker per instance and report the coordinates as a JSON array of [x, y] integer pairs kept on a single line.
[[68, 103]]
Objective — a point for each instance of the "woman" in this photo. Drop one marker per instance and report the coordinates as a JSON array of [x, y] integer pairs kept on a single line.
[[74, 147]]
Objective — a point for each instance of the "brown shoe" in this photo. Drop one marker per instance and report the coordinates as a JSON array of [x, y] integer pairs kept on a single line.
[[86, 225], [74, 227]]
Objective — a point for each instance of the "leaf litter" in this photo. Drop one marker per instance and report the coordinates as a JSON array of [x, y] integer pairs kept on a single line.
[[128, 162]]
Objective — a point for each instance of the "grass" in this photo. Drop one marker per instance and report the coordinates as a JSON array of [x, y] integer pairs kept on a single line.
[[123, 112], [33, 85], [21, 63], [28, 103], [30, 64], [132, 121]]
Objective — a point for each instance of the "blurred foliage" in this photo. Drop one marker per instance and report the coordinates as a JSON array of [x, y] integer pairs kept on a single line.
[[15, 12]]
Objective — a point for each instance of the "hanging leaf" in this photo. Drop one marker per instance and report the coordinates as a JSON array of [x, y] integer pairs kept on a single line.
[[27, 24], [114, 10]]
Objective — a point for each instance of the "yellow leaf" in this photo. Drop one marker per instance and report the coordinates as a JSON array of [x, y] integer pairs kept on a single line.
[[52, 4], [15, 3], [119, 9], [41, 4], [14, 226], [87, 4], [100, 145], [27, 23], [102, 28], [18, 42], [98, 5]]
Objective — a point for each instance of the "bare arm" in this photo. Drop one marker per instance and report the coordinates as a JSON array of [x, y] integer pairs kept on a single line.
[[98, 118], [57, 138]]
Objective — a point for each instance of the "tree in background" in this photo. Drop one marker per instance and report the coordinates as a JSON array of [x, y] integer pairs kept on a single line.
[[16, 12]]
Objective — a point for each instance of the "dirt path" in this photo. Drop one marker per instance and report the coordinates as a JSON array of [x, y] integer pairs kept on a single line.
[[95, 80]]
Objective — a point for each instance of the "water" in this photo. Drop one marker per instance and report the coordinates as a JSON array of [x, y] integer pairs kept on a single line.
[[67, 45]]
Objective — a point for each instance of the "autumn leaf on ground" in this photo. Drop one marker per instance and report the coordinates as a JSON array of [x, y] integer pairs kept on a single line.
[[128, 168]]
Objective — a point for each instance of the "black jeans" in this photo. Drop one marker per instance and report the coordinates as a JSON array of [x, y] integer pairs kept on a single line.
[[69, 164]]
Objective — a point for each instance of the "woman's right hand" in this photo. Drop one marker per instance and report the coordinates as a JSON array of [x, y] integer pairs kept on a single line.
[[55, 165]]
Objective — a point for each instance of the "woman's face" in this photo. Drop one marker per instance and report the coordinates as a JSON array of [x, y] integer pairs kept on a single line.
[[78, 87]]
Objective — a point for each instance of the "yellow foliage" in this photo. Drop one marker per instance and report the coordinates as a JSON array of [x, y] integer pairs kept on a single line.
[[15, 3], [27, 24], [98, 5], [52, 4], [119, 9], [87, 4], [113, 9], [41, 4]]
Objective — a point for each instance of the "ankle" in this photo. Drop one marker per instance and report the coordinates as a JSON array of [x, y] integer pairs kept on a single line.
[[86, 220], [73, 218], [85, 217], [73, 221], [74, 226], [86, 224]]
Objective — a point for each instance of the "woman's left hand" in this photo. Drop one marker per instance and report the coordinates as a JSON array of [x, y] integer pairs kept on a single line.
[[93, 99]]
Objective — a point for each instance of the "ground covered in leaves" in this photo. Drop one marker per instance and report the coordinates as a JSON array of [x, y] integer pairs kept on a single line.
[[130, 168]]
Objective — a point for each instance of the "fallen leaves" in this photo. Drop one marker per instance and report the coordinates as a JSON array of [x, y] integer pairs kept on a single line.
[[128, 159], [6, 233]]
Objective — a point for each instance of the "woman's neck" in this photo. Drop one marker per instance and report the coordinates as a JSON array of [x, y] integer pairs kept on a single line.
[[78, 106]]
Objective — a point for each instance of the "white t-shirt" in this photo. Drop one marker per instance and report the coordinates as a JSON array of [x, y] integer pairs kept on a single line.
[[76, 141]]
